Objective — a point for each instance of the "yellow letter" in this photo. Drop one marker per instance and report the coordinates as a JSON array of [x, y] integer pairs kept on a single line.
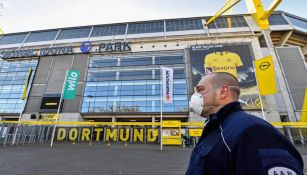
[[121, 134], [98, 130], [111, 134], [73, 134], [152, 135], [85, 134], [61, 134], [138, 134]]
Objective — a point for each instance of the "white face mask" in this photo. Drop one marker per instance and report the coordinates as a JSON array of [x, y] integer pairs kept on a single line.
[[197, 104], [197, 101]]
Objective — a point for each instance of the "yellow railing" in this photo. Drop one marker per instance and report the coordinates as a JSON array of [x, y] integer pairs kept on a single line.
[[192, 124], [183, 124]]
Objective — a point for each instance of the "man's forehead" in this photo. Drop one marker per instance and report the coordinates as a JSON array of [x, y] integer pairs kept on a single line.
[[204, 82]]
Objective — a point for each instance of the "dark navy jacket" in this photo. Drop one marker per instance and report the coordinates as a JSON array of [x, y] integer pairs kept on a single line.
[[236, 143]]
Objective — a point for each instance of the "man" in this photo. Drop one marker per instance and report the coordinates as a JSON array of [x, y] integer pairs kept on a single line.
[[234, 142]]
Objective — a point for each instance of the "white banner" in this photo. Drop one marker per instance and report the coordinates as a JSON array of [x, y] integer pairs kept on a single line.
[[167, 84]]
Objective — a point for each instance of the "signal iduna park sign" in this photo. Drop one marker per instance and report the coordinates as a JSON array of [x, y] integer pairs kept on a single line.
[[36, 52], [85, 47]]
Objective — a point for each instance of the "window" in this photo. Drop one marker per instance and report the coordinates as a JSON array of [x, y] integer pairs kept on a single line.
[[212, 25], [74, 33], [134, 86], [146, 27], [238, 21], [277, 19], [101, 76], [297, 22], [169, 60], [183, 24], [42, 36], [109, 30], [136, 61], [13, 38], [12, 79], [135, 75], [223, 22], [100, 63]]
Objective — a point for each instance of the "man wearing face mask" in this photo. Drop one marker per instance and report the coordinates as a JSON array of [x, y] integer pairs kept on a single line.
[[234, 142]]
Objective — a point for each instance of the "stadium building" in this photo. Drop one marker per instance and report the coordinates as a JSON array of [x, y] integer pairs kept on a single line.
[[120, 67]]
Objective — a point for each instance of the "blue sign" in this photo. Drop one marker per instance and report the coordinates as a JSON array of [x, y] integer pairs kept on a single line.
[[86, 46]]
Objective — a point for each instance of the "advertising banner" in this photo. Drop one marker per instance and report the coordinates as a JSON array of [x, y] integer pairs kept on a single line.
[[71, 83], [108, 134], [236, 59], [266, 76], [167, 83], [195, 132]]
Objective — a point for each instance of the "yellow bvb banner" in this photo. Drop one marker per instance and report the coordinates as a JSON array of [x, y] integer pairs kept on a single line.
[[265, 76]]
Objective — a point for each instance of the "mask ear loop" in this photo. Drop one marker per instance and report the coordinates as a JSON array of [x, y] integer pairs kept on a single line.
[[234, 87]]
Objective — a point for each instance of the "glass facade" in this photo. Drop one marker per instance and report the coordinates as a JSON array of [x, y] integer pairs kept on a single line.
[[277, 19], [222, 22], [74, 33], [297, 22], [132, 84], [13, 76], [140, 27], [13, 39], [183, 24], [146, 27], [109, 30], [42, 36]]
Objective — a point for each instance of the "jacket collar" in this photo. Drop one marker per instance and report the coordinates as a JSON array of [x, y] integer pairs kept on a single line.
[[224, 112], [217, 118]]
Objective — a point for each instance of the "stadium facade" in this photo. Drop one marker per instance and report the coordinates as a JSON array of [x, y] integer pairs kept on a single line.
[[120, 67]]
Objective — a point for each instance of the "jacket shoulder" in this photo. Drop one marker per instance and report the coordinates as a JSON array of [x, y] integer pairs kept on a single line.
[[246, 118], [237, 123]]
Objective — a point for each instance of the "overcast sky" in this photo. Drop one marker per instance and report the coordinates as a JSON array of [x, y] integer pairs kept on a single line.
[[30, 15]]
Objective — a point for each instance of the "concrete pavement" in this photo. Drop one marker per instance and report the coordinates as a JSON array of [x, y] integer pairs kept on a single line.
[[83, 159], [98, 158]]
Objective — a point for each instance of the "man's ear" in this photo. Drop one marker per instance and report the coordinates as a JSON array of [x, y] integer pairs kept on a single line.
[[224, 92]]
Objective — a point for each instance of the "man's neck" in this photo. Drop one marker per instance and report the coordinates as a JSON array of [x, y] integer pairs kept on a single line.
[[222, 104]]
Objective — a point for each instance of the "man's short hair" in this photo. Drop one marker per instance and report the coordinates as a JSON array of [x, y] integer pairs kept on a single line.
[[220, 79]]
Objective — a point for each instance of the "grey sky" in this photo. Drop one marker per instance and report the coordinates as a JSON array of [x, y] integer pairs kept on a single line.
[[29, 15]]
